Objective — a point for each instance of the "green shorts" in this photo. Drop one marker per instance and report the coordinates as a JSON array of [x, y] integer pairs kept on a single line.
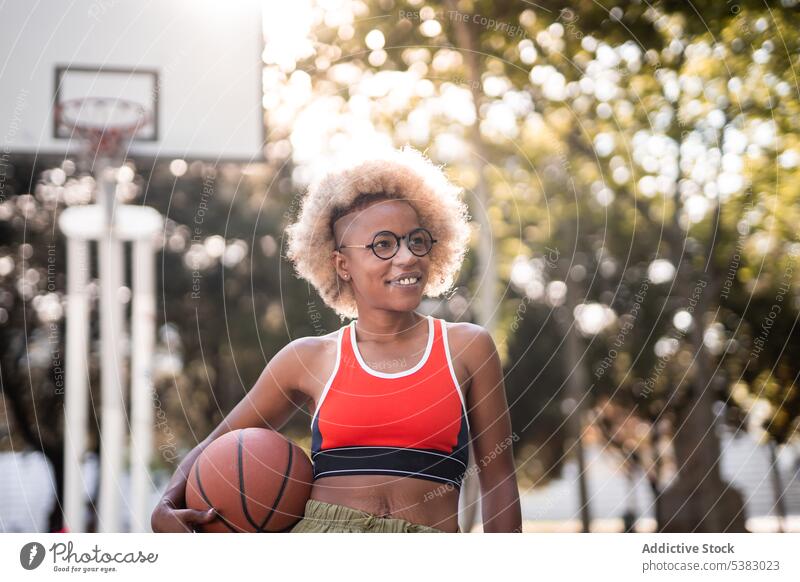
[[321, 517]]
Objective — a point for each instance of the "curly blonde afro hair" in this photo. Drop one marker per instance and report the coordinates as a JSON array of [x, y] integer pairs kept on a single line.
[[404, 174]]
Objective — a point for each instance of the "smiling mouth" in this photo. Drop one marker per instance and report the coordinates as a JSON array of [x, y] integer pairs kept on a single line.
[[406, 282]]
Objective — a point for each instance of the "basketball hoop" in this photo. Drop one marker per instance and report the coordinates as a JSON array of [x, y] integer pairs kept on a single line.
[[105, 124]]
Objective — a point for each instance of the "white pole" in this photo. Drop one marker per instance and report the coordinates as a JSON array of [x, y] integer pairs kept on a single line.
[[112, 330], [134, 223], [76, 384], [143, 332]]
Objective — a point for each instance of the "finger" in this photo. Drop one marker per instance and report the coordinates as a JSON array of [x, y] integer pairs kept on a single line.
[[207, 516], [191, 516]]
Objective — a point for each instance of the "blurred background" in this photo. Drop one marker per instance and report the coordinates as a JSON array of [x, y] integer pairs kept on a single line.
[[632, 171]]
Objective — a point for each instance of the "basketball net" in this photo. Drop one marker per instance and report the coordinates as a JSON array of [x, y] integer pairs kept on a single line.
[[106, 126]]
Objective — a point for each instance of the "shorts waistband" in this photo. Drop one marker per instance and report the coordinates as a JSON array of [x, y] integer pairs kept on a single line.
[[320, 511]]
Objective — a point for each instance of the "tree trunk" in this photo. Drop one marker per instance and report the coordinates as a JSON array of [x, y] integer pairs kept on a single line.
[[654, 476], [777, 486], [577, 389], [55, 521], [698, 500]]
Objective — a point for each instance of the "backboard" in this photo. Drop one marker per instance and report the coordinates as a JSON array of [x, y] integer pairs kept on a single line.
[[193, 65]]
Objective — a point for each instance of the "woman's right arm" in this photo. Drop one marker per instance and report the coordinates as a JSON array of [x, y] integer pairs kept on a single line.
[[274, 397]]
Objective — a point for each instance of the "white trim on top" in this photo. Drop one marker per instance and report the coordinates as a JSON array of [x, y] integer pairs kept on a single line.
[[453, 370], [372, 372], [332, 376]]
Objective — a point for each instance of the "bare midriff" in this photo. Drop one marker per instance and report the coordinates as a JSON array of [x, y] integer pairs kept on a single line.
[[415, 500]]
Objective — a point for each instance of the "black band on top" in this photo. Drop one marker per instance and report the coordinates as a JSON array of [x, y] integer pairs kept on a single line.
[[421, 463]]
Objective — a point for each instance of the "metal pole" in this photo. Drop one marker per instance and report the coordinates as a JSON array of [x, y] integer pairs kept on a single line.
[[143, 332], [577, 387], [76, 383], [112, 435]]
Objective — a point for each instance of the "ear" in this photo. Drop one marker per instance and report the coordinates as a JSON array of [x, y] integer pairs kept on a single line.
[[340, 263]]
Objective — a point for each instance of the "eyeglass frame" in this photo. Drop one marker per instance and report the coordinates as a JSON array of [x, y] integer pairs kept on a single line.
[[371, 246]]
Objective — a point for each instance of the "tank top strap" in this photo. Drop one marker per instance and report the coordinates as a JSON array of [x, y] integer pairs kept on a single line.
[[438, 353], [341, 338], [346, 346]]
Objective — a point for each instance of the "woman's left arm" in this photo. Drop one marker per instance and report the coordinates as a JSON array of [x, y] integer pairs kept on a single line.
[[492, 440]]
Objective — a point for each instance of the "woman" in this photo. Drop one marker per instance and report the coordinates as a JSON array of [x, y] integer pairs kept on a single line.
[[395, 396]]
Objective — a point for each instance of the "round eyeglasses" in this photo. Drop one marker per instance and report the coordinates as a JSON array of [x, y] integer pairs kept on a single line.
[[385, 244]]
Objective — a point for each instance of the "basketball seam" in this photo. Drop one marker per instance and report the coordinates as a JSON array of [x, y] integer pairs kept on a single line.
[[247, 515], [207, 500], [283, 486]]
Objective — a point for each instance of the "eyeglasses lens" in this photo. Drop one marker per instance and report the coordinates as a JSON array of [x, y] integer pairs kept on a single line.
[[384, 245], [420, 242]]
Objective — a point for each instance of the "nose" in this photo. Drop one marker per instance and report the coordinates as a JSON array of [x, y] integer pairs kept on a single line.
[[404, 256]]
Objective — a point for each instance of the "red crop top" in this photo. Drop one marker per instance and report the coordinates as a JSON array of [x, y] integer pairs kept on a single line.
[[410, 424]]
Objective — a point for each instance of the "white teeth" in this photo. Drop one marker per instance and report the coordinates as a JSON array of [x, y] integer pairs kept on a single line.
[[408, 281]]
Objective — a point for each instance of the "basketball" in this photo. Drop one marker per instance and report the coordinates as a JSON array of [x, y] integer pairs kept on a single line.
[[256, 479]]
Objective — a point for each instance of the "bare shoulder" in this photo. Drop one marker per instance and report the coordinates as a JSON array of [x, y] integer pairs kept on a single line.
[[469, 337], [471, 347], [310, 360], [312, 345]]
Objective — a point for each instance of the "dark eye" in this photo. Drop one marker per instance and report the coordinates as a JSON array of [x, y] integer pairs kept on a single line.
[[383, 244], [419, 239]]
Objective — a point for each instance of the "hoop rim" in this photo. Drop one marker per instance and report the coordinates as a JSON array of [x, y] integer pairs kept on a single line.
[[101, 136]]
